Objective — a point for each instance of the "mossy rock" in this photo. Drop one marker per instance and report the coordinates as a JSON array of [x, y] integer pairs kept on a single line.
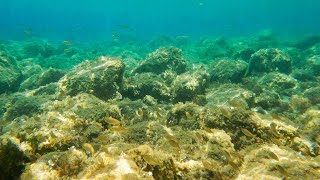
[[20, 105], [269, 60], [102, 78], [164, 58], [228, 71], [140, 85], [189, 85], [277, 82], [313, 94], [12, 158], [10, 75], [37, 80], [184, 115], [38, 47]]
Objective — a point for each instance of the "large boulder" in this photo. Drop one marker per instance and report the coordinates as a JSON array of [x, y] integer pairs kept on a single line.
[[164, 58], [269, 60], [102, 78], [141, 85], [187, 86], [228, 71]]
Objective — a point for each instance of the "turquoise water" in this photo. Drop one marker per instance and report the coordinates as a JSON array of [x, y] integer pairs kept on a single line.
[[98, 19]]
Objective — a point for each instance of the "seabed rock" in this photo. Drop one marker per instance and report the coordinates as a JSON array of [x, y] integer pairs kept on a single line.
[[164, 58], [10, 75], [228, 71], [102, 78], [269, 60]]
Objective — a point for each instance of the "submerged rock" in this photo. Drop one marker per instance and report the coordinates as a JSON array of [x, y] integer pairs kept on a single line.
[[57, 165], [277, 82], [102, 78], [230, 94], [269, 60], [307, 42], [23, 105], [141, 85], [314, 64], [13, 156], [268, 100], [188, 85], [212, 48], [38, 47], [37, 80], [313, 94], [164, 58], [10, 75], [228, 71]]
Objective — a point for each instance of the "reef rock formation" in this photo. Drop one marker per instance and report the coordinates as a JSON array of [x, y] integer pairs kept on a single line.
[[140, 85], [10, 75], [187, 85], [228, 71], [42, 79], [164, 58], [269, 60], [102, 78]]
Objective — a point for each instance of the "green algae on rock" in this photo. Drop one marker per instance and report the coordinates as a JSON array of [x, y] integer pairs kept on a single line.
[[268, 60], [102, 78], [188, 85], [228, 71], [140, 85], [164, 58], [10, 75], [48, 76]]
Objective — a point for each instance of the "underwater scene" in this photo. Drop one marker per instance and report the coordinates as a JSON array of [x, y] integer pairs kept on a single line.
[[171, 89]]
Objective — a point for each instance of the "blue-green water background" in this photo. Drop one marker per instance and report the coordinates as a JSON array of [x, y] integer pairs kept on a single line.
[[91, 20]]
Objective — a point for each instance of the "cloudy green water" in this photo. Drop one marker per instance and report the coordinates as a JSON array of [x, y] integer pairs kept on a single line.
[[99, 19]]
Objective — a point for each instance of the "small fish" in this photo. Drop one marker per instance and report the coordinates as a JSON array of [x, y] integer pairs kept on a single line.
[[233, 164], [226, 112], [199, 136], [89, 148], [67, 43], [115, 36], [159, 115], [182, 37], [209, 166], [151, 160], [188, 115], [272, 155], [276, 141], [139, 112], [282, 170], [208, 130], [170, 137], [103, 138], [113, 121], [67, 50], [275, 116], [247, 132], [123, 26], [273, 127], [119, 129], [227, 156], [27, 33], [174, 144]]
